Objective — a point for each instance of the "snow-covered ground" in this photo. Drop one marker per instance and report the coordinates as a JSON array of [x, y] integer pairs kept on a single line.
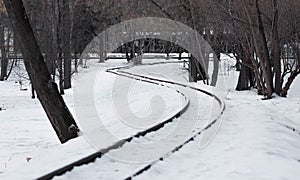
[[138, 153], [102, 117], [255, 140], [252, 143]]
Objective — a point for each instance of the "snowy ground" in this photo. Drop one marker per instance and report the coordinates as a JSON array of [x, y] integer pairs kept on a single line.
[[141, 151], [255, 140], [251, 144], [110, 127]]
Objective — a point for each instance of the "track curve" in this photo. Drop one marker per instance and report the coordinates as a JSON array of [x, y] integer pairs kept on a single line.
[[119, 71]]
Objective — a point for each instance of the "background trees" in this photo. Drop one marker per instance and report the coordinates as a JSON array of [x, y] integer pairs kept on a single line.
[[259, 31], [263, 35]]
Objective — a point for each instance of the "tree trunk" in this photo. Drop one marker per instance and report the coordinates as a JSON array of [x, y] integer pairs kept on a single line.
[[60, 71], [54, 45], [168, 49], [4, 60], [60, 48], [48, 38], [259, 83], [46, 89], [261, 48], [244, 78], [264, 55], [76, 62], [216, 57], [138, 58], [32, 92], [276, 50], [66, 31], [127, 51], [192, 69], [102, 49]]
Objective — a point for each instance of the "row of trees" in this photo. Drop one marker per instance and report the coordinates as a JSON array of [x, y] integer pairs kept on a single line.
[[266, 38], [259, 33], [263, 35]]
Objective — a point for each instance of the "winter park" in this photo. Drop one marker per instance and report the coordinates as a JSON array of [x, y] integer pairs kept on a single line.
[[149, 89]]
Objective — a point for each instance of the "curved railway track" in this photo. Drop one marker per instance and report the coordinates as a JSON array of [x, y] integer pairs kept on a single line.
[[119, 71]]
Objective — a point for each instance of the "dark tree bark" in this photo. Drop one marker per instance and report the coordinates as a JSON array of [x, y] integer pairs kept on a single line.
[[245, 78], [192, 69], [217, 55], [46, 89], [168, 49], [76, 62], [139, 49], [49, 39], [127, 51], [32, 92], [4, 60], [60, 48], [196, 70], [247, 70], [102, 49], [276, 50], [261, 47], [66, 31], [264, 53]]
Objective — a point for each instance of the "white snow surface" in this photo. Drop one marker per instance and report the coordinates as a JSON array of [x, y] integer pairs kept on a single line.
[[254, 139], [105, 122]]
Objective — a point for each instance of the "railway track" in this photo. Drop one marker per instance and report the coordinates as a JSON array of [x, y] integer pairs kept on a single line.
[[124, 146]]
